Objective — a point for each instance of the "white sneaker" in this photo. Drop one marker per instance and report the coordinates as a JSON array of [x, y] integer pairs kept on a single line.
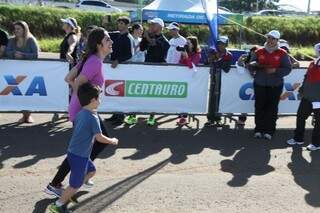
[[267, 136], [312, 147], [294, 142], [258, 135], [89, 184]]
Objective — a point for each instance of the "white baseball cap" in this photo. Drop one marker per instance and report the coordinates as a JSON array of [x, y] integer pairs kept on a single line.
[[274, 33], [173, 26], [317, 49], [71, 21], [157, 21]]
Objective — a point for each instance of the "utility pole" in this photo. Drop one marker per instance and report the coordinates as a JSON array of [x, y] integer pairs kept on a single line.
[[309, 3]]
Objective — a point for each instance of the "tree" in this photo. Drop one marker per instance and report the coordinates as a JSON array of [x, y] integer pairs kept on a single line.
[[248, 5]]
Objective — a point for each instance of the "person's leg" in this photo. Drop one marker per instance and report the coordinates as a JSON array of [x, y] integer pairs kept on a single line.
[[211, 108], [304, 111], [260, 102], [78, 167], [91, 171], [62, 172], [272, 106], [316, 129]]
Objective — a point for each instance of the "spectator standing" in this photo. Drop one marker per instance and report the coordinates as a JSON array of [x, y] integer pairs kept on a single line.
[[22, 45], [122, 52], [270, 64], [310, 103], [220, 59], [174, 56], [69, 45], [244, 61], [156, 45], [283, 44], [154, 42], [138, 56], [4, 38], [190, 56]]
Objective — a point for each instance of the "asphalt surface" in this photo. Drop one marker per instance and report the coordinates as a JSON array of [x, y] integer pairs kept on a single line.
[[163, 169]]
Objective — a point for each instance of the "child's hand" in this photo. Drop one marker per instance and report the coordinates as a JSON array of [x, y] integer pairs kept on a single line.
[[114, 141]]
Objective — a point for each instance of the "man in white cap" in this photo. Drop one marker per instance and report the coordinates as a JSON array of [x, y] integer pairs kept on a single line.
[[270, 65], [156, 45], [177, 41], [154, 42], [310, 103]]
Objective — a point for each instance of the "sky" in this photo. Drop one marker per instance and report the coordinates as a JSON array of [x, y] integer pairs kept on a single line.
[[303, 4]]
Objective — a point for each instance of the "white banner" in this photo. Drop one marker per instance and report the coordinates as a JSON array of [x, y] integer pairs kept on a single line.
[[237, 95], [158, 89], [33, 85]]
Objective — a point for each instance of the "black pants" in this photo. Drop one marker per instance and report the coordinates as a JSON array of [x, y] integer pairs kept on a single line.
[[64, 168], [266, 108], [214, 95], [304, 111]]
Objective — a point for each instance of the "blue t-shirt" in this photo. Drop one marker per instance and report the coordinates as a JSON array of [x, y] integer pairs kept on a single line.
[[86, 126]]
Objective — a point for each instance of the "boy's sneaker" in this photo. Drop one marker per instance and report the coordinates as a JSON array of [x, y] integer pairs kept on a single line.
[[257, 135], [51, 190], [89, 184], [312, 147], [294, 142], [151, 121], [53, 208], [267, 136], [131, 119]]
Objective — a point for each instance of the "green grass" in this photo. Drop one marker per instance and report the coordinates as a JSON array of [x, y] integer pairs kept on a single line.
[[302, 53], [50, 44]]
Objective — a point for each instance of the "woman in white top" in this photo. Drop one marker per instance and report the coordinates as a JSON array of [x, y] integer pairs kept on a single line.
[[138, 56], [136, 32]]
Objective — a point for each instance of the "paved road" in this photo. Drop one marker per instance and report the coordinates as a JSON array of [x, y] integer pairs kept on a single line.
[[163, 169]]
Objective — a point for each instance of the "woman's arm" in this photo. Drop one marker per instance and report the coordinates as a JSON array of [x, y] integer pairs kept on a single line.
[[81, 79], [72, 41], [71, 76], [34, 49]]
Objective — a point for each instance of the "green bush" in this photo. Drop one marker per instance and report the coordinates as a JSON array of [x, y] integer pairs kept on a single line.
[[50, 44], [45, 22]]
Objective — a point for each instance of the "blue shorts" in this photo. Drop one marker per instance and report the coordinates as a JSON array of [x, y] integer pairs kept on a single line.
[[79, 167]]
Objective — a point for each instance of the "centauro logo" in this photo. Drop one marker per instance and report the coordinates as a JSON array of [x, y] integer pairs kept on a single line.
[[146, 89]]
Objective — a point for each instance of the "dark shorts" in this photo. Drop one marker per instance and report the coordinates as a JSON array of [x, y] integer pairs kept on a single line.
[[79, 166]]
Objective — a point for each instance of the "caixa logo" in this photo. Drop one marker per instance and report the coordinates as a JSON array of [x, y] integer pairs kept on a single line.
[[37, 86], [246, 92]]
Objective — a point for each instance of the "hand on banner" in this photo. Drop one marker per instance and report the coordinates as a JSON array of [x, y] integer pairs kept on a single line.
[[18, 55], [70, 59]]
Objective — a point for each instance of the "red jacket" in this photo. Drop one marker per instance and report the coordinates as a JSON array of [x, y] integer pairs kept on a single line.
[[272, 59], [192, 58]]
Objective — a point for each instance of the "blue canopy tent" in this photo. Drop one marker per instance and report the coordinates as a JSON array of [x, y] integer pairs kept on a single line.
[[182, 11], [185, 12]]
